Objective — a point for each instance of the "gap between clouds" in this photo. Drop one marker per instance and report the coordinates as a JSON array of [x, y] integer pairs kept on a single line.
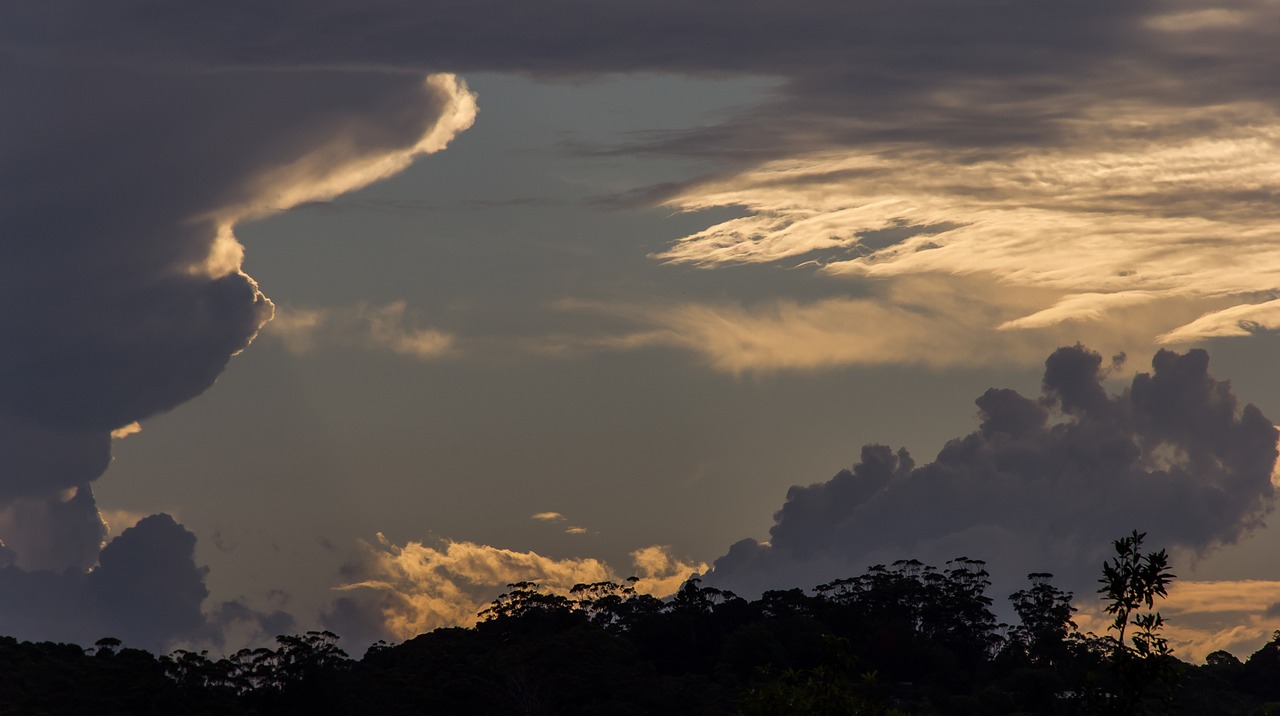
[[390, 327], [933, 321]]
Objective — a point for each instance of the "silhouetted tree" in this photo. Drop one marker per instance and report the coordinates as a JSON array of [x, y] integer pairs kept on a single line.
[[1131, 583], [1045, 632]]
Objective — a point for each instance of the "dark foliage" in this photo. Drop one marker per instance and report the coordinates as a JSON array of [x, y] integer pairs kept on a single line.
[[907, 638]]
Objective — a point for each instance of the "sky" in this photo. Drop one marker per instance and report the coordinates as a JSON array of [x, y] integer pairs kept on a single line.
[[319, 315]]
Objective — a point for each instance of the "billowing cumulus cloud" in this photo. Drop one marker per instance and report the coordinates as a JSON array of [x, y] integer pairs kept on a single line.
[[146, 589], [396, 592], [1043, 484]]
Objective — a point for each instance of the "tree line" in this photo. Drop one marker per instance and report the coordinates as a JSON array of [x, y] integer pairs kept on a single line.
[[905, 638]]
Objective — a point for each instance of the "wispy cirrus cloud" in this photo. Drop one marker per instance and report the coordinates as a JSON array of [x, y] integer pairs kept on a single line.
[[937, 322], [391, 327], [1101, 224]]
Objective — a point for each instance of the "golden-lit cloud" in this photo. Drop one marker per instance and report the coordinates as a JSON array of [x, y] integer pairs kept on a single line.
[[391, 327], [119, 520], [125, 431], [660, 573], [1138, 206], [419, 587], [1240, 320], [547, 516], [936, 321], [338, 166]]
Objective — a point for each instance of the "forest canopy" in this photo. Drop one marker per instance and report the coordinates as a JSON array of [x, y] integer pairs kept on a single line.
[[904, 638]]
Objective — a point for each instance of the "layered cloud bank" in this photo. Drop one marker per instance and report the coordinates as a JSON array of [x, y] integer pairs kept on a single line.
[[1043, 484]]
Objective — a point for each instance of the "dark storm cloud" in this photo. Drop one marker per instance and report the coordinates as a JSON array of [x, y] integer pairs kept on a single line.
[[1041, 485], [61, 532], [146, 590], [115, 185], [147, 583], [120, 184], [973, 74]]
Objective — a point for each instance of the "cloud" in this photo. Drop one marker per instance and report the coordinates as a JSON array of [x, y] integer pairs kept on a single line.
[[64, 531], [146, 590], [1105, 223], [660, 573], [397, 592], [125, 431], [1042, 484], [119, 520], [938, 322], [1240, 320], [557, 517], [122, 294], [389, 328], [147, 582], [548, 516]]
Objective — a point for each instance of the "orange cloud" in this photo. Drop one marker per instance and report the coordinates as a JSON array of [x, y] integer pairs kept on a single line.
[[421, 587]]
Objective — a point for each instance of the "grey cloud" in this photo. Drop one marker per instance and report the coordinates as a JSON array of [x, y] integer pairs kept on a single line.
[[54, 533], [359, 619], [996, 73], [1041, 485], [1272, 611], [236, 620], [37, 458], [120, 177], [147, 584], [147, 590]]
